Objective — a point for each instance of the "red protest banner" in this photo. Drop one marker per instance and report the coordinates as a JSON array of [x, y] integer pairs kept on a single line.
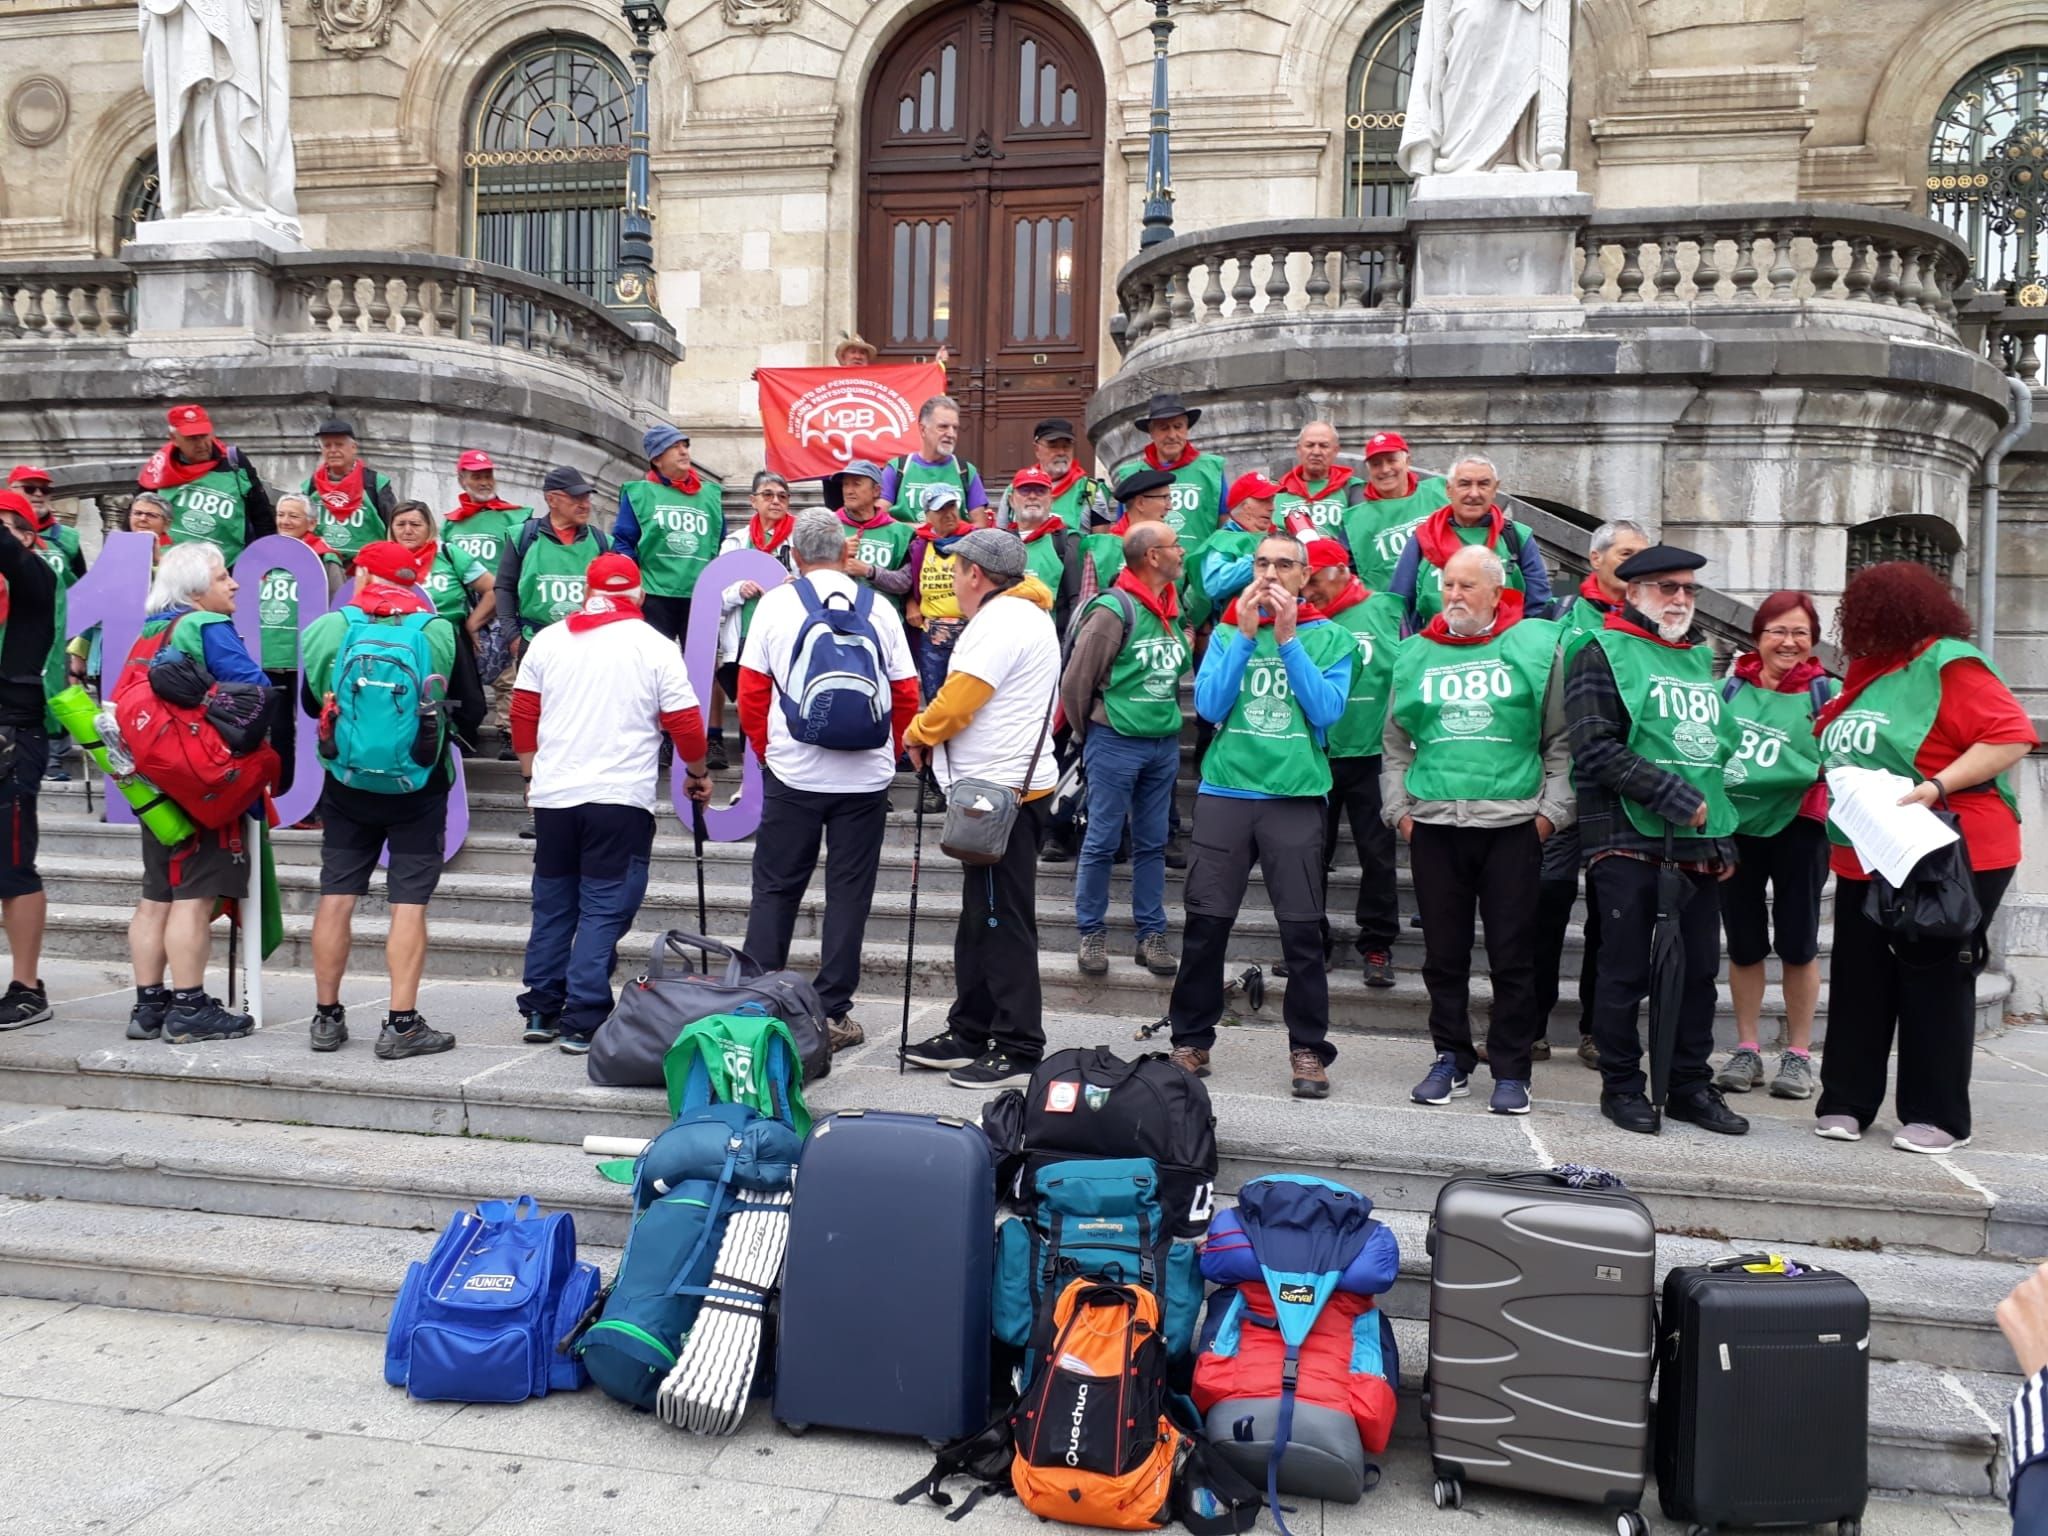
[[817, 420]]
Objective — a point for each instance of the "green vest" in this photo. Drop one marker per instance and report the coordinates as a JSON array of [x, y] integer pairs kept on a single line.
[[483, 535], [1197, 505], [679, 535], [1327, 512], [1104, 551], [1267, 745], [214, 508], [885, 547], [1042, 559], [190, 636], [1475, 713], [1141, 695], [366, 527], [1378, 531], [551, 576], [1778, 760], [60, 540], [1580, 622], [277, 614], [1886, 725], [1429, 576], [1676, 722], [732, 1049], [912, 473], [1375, 627], [1077, 505], [447, 584]]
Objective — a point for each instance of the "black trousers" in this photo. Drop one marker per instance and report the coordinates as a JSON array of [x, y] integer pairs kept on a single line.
[[284, 724], [1285, 837], [1924, 992], [1555, 897], [1355, 793], [785, 858], [1491, 871], [670, 616], [995, 946], [1626, 892]]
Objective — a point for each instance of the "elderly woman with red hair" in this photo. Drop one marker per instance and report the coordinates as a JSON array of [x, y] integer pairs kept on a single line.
[[1919, 701], [1775, 692]]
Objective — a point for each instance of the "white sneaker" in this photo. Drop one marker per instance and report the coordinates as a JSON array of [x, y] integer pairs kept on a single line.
[[1928, 1139], [1837, 1128]]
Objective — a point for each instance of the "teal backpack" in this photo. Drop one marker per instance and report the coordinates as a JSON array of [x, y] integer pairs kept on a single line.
[[389, 706]]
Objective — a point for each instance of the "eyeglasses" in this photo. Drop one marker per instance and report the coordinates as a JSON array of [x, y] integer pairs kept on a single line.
[[1788, 634], [1263, 564], [1673, 588], [773, 495]]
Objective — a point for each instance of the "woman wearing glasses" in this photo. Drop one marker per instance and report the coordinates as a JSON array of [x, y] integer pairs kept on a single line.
[[1922, 702], [1775, 692]]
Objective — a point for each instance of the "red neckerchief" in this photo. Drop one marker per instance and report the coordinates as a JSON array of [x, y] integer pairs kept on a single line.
[[1591, 590], [468, 506], [775, 541], [1165, 607], [1353, 594], [1067, 482], [1053, 524], [315, 543], [1863, 671], [1505, 618], [166, 471], [1750, 668], [1296, 482], [382, 600], [425, 554], [602, 608], [1121, 526], [344, 497], [878, 520], [1188, 455], [689, 485], [1304, 612], [1439, 543], [1414, 480], [1618, 620]]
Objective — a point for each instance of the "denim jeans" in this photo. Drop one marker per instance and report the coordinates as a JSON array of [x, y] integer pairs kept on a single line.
[[589, 874], [1128, 777]]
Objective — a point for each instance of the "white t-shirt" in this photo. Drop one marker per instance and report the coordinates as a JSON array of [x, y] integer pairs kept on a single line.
[[602, 695], [1011, 645], [770, 648]]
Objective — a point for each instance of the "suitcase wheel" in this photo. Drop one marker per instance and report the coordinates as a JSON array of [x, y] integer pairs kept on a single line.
[[1630, 1522], [1449, 1493], [796, 1431], [1849, 1528]]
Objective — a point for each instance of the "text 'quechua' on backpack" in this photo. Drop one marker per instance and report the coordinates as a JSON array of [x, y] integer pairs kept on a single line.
[[171, 717], [383, 728], [837, 695], [487, 1317]]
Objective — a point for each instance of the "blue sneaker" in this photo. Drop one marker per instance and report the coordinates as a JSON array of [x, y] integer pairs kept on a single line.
[[541, 1029], [1509, 1098], [573, 1045], [1444, 1083]]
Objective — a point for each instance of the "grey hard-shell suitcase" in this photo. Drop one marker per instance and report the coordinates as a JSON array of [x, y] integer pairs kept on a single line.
[[1542, 1338]]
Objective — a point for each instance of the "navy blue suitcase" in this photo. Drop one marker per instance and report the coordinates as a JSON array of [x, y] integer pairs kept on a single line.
[[885, 1291]]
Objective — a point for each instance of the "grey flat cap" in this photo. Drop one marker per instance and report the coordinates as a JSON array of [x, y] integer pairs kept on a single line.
[[997, 552]]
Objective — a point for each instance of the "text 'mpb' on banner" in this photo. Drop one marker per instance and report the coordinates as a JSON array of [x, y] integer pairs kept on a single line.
[[818, 420]]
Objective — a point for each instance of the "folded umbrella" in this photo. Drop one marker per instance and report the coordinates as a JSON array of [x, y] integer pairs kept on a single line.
[[1667, 970]]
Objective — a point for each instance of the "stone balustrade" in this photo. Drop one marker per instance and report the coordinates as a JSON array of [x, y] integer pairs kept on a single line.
[[62, 301], [2015, 339]]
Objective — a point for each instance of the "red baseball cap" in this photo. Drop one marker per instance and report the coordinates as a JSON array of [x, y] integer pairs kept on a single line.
[[189, 420], [1029, 477], [612, 573], [1386, 442], [474, 458], [14, 501], [1250, 487], [1324, 553], [28, 474], [390, 560]]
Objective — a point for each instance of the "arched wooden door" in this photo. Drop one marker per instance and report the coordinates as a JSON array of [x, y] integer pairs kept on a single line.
[[982, 223]]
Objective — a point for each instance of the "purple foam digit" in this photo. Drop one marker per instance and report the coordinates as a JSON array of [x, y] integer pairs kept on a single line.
[[276, 552], [736, 822], [111, 595]]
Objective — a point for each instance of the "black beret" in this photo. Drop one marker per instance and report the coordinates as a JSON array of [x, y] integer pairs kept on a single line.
[[1656, 560], [1138, 482]]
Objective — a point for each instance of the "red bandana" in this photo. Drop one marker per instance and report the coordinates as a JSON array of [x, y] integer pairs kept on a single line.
[[1413, 481], [380, 600], [166, 471], [1750, 668], [1439, 543], [602, 608], [765, 542], [343, 497], [1350, 597], [689, 485], [1165, 607], [879, 520], [468, 506], [1296, 482], [1591, 590], [425, 556], [1505, 617], [1066, 482], [1188, 455], [312, 541], [1053, 524]]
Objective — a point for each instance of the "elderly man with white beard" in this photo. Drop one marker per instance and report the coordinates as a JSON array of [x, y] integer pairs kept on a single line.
[[1649, 741]]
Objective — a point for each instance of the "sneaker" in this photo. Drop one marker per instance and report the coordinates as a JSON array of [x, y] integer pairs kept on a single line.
[[1745, 1070], [1059, 848], [942, 1053], [330, 1027], [1705, 1108], [1176, 855], [1311, 1077], [1589, 1053], [1540, 1051], [843, 1034], [1930, 1139], [1509, 1098], [1379, 968], [507, 755], [146, 1018], [1838, 1128], [527, 832], [22, 1006], [573, 1045], [993, 1068], [931, 799], [714, 755], [541, 1029], [56, 773], [1795, 1077], [194, 1023], [1156, 957], [406, 1034], [1191, 1059], [1444, 1082], [1093, 957]]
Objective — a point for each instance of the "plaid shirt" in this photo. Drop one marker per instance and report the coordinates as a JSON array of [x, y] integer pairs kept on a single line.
[[1606, 770]]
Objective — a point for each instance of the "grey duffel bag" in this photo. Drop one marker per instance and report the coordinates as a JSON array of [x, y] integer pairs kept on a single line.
[[627, 1050]]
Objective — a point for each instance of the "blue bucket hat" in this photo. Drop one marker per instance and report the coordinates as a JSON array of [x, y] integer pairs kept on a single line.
[[659, 438]]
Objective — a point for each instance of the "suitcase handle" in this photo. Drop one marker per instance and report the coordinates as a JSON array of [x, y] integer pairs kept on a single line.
[[739, 965]]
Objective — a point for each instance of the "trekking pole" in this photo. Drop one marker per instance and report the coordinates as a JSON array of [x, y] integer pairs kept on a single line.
[[910, 945], [697, 837]]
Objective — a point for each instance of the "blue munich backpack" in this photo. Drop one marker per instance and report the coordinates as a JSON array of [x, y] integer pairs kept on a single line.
[[388, 704], [837, 695], [481, 1319]]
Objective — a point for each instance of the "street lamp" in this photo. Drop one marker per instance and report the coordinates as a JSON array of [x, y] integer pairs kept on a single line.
[[1158, 155], [635, 285]]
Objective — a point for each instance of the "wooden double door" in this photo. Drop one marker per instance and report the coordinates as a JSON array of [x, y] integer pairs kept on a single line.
[[982, 218]]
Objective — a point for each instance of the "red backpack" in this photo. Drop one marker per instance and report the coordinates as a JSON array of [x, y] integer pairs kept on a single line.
[[177, 748]]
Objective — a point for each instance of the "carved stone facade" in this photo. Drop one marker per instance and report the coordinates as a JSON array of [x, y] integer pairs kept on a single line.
[[354, 26]]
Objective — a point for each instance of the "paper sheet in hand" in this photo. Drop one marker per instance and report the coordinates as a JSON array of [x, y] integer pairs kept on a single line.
[[1888, 837]]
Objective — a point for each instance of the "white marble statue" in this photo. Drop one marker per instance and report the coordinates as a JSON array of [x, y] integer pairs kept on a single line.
[[1490, 88], [218, 73]]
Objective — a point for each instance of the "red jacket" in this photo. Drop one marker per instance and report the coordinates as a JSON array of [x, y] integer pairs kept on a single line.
[[1326, 1378]]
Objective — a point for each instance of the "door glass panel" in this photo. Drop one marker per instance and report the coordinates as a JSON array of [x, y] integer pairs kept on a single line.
[[1042, 276], [899, 287], [1020, 287], [949, 58], [1048, 85], [1027, 72], [942, 281], [906, 115], [921, 281], [1063, 282], [1070, 106], [927, 102]]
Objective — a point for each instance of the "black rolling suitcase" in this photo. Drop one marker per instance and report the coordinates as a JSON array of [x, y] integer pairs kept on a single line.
[[1542, 1326], [885, 1290], [1763, 1396]]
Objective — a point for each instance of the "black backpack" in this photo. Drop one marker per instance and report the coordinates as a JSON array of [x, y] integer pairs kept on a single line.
[[1091, 1103]]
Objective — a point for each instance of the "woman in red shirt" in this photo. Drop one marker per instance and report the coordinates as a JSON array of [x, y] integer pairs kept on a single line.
[[1922, 702]]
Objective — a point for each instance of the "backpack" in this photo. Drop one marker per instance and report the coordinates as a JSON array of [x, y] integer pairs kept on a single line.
[[738, 1058], [837, 695], [177, 747], [1091, 1103], [1096, 1444], [1816, 690], [487, 1316], [1126, 610], [384, 729]]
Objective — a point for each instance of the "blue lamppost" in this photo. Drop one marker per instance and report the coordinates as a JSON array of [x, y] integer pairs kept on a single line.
[[635, 285], [1158, 154]]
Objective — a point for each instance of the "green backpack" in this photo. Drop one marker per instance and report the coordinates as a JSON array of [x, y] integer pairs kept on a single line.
[[738, 1058]]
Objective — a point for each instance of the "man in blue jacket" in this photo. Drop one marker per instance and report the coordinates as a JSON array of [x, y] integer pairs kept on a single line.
[[2024, 1317]]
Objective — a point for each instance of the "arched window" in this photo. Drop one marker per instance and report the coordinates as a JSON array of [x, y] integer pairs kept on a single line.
[[546, 164], [1376, 107], [139, 202], [1987, 169]]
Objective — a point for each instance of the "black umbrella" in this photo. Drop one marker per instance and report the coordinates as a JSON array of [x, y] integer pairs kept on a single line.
[[1667, 969]]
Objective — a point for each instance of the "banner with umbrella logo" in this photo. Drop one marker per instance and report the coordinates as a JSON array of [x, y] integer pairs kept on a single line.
[[817, 420]]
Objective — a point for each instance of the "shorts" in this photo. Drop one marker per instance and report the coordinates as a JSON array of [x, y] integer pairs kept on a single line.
[[670, 616], [728, 675], [212, 867], [1794, 863], [356, 826], [20, 834]]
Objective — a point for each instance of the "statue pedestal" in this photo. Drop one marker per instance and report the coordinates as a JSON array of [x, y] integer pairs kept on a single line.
[[216, 229], [207, 281], [1514, 186], [1497, 250]]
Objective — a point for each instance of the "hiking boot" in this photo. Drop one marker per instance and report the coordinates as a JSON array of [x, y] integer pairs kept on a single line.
[[1929, 1139], [22, 1006], [1838, 1128], [1379, 968], [193, 1023], [1632, 1112], [1540, 1051], [330, 1027], [1311, 1077], [506, 754], [527, 831], [1060, 848], [1156, 957], [1443, 1083], [1705, 1108], [572, 1044], [931, 799], [146, 1018], [993, 1068], [942, 1053], [1745, 1070], [1589, 1053], [406, 1034], [843, 1034], [1093, 957], [1191, 1059], [1795, 1077], [1177, 856], [1509, 1098], [541, 1029], [714, 755]]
